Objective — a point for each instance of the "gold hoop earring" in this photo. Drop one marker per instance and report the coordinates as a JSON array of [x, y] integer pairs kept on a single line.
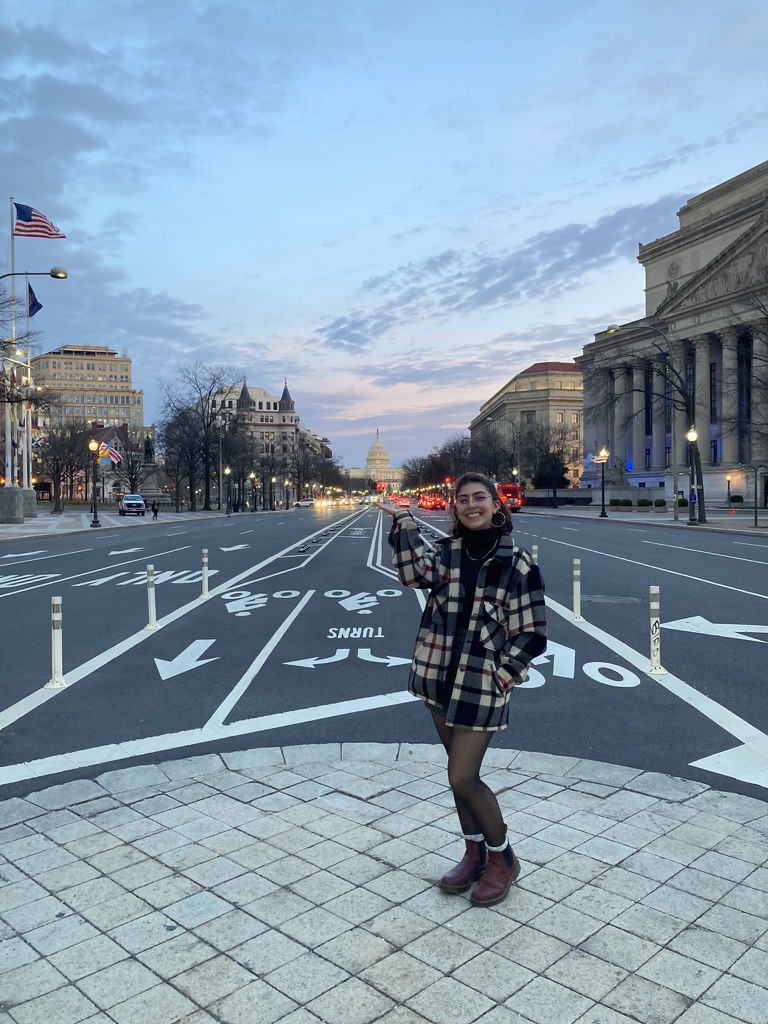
[[503, 522]]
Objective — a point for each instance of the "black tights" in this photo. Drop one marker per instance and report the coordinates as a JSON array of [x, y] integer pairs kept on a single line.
[[476, 804]]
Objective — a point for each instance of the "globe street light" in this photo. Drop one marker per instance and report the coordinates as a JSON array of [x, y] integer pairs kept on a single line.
[[691, 437], [227, 472], [252, 478], [93, 445], [728, 486], [602, 458]]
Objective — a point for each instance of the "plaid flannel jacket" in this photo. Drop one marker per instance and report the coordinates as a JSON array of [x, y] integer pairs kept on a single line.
[[507, 627]]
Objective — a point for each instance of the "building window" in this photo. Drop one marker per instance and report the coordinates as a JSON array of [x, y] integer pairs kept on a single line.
[[559, 385], [575, 418], [534, 385], [561, 417], [530, 417], [647, 458], [713, 453]]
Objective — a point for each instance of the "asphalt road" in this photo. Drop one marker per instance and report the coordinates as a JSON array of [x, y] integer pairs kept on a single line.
[[305, 636]]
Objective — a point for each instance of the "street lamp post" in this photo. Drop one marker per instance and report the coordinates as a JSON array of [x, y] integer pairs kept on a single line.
[[602, 458], [691, 437], [227, 472], [272, 483], [728, 487], [252, 478], [93, 446]]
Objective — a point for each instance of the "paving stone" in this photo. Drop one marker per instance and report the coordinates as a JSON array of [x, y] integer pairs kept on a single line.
[[740, 998], [621, 948], [724, 867], [116, 911], [267, 952], [123, 779], [64, 1006], [400, 975], [545, 1002], [531, 949], [87, 957], [28, 982], [117, 983], [398, 926], [589, 975], [567, 924], [306, 978], [708, 947], [67, 794], [196, 910], [484, 929], [665, 787], [443, 949], [166, 891], [33, 915], [649, 923], [729, 805], [17, 810], [355, 950], [60, 934], [14, 952], [159, 1005], [449, 1002], [176, 955], [700, 1014], [192, 767], [258, 1002], [734, 923], [647, 1001], [213, 979], [699, 883], [681, 974], [493, 976]]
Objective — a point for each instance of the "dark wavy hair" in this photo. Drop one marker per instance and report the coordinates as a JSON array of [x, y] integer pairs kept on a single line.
[[458, 529]]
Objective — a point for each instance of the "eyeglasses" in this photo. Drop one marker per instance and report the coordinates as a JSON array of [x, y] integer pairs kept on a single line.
[[478, 499]]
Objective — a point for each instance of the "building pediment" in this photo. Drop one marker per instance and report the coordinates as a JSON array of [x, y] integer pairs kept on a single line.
[[738, 269]]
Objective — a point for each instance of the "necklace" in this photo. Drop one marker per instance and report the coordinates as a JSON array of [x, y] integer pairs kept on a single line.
[[482, 558]]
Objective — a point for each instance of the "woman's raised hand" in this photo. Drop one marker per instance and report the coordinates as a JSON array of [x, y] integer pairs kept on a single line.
[[382, 507]]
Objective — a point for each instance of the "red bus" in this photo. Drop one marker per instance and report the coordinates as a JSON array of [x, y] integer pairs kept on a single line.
[[511, 494]]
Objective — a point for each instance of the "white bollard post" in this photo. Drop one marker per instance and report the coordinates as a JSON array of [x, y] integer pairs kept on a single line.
[[152, 623], [577, 616], [655, 667], [535, 554], [57, 679], [205, 572]]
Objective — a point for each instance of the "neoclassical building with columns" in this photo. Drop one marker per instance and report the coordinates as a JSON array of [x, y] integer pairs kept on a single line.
[[697, 359]]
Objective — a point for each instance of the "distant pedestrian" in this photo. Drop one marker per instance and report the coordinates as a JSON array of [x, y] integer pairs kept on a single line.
[[483, 624], [155, 509]]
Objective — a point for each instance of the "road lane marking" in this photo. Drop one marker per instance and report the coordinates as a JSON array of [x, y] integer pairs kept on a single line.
[[113, 752], [90, 572], [703, 551], [221, 712], [658, 568], [752, 738], [62, 554]]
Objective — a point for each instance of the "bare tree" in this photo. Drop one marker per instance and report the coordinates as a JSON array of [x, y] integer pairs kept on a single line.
[[64, 453], [133, 469], [195, 392]]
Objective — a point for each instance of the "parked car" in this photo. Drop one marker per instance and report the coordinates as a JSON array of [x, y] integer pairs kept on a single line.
[[304, 503], [132, 505]]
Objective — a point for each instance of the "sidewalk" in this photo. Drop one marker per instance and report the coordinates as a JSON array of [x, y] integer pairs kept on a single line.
[[77, 520], [297, 884], [719, 520]]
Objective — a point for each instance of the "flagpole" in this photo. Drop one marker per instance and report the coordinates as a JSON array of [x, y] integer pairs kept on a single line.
[[24, 405], [9, 481]]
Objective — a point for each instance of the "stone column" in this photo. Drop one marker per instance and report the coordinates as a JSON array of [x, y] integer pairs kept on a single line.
[[619, 450], [759, 423], [638, 420], [659, 425], [701, 415], [729, 402]]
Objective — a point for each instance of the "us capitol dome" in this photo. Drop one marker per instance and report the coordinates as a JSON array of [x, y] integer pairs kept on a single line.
[[377, 467]]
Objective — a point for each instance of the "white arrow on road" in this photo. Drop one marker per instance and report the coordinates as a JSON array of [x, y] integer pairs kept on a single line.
[[729, 630], [188, 659], [364, 654], [126, 551], [340, 655], [237, 547], [24, 554]]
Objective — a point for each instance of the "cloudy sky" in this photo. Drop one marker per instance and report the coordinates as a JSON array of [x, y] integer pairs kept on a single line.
[[396, 204]]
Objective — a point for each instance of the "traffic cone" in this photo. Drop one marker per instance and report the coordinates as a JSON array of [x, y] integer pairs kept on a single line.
[[733, 510]]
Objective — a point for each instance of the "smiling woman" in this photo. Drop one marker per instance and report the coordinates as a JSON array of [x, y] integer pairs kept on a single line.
[[483, 624]]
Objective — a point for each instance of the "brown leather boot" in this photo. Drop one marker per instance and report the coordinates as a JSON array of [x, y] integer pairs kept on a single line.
[[501, 871], [468, 870]]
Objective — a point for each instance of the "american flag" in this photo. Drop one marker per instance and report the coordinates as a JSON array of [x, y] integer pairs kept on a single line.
[[33, 224]]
